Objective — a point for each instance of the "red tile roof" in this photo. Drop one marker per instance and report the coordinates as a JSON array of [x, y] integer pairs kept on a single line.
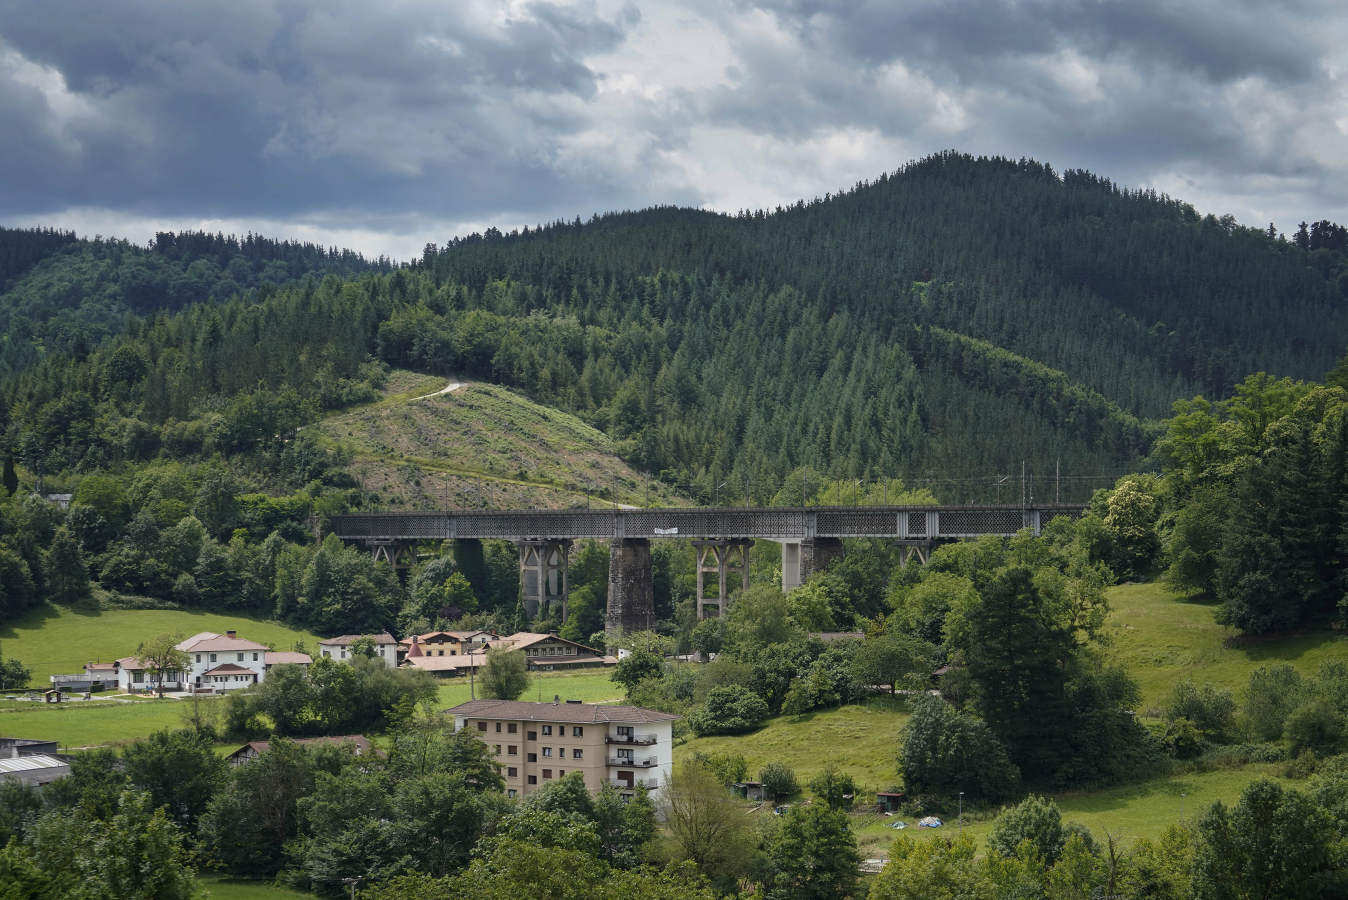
[[229, 669]]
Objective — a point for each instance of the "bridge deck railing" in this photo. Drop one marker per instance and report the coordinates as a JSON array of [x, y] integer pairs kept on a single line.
[[913, 523]]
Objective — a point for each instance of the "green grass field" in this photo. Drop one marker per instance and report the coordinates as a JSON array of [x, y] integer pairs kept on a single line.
[[96, 722], [1161, 638], [238, 889], [590, 686], [52, 640], [860, 740], [1128, 812]]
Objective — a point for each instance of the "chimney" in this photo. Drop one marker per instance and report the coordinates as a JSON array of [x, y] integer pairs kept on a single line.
[[231, 633], [556, 698]]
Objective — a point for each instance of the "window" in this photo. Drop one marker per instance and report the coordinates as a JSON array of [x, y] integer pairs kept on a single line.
[[561, 751], [512, 772], [547, 729], [254, 657], [547, 773], [240, 657], [511, 793], [547, 751], [577, 731], [577, 754], [198, 657], [325, 653], [561, 773], [498, 727], [512, 750], [140, 676], [513, 728], [481, 726], [212, 657], [532, 757], [532, 736], [498, 749], [533, 779], [343, 653]]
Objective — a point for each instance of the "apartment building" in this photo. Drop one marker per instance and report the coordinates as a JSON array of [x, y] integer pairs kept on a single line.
[[536, 743]]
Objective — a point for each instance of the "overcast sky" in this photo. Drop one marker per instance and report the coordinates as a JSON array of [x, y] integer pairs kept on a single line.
[[382, 126]]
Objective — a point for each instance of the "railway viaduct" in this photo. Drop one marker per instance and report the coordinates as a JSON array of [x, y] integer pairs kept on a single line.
[[811, 537]]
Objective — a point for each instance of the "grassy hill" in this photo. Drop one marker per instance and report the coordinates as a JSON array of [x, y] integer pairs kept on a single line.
[[1158, 636], [51, 639], [1162, 637], [479, 446]]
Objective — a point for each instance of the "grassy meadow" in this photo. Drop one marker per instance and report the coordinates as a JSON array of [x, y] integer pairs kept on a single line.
[[92, 723], [1161, 637], [53, 640], [587, 685]]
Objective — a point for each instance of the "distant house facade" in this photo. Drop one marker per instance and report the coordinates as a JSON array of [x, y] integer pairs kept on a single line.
[[219, 662], [360, 746], [543, 652], [537, 743], [448, 643], [339, 648], [96, 676]]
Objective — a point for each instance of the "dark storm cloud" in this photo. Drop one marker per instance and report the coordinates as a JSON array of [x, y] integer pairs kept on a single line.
[[426, 115], [263, 108]]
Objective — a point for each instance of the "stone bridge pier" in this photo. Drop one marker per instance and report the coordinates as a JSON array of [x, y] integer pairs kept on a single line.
[[631, 589]]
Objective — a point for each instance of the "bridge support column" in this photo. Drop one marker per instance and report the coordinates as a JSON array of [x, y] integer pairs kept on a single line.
[[543, 565], [398, 554], [719, 558], [801, 560], [631, 589], [919, 550]]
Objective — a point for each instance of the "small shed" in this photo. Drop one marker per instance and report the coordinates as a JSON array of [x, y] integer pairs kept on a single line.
[[749, 790], [888, 801], [51, 696]]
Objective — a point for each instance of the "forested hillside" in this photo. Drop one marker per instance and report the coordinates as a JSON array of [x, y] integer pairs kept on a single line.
[[943, 323], [62, 295]]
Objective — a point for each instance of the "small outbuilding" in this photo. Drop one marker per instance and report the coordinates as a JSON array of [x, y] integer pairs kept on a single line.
[[888, 801]]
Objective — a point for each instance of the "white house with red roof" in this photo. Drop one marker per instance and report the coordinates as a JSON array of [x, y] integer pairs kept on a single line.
[[222, 662]]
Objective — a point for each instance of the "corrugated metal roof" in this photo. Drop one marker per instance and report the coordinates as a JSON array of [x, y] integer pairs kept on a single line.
[[30, 763]]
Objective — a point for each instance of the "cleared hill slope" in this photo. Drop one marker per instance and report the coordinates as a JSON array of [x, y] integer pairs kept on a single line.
[[477, 446]]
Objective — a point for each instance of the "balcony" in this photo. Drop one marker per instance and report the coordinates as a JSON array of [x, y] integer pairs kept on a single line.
[[648, 783], [630, 763], [643, 740]]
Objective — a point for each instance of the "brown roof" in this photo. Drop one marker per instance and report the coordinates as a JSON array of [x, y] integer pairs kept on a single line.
[[208, 641], [414, 651], [445, 663], [348, 639], [577, 713], [285, 657], [229, 669], [522, 640], [362, 743]]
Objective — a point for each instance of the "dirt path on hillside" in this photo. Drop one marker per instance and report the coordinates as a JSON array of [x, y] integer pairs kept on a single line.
[[449, 388]]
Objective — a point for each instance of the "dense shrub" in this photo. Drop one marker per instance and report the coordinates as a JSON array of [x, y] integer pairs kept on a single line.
[[1211, 710], [944, 751], [728, 710]]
